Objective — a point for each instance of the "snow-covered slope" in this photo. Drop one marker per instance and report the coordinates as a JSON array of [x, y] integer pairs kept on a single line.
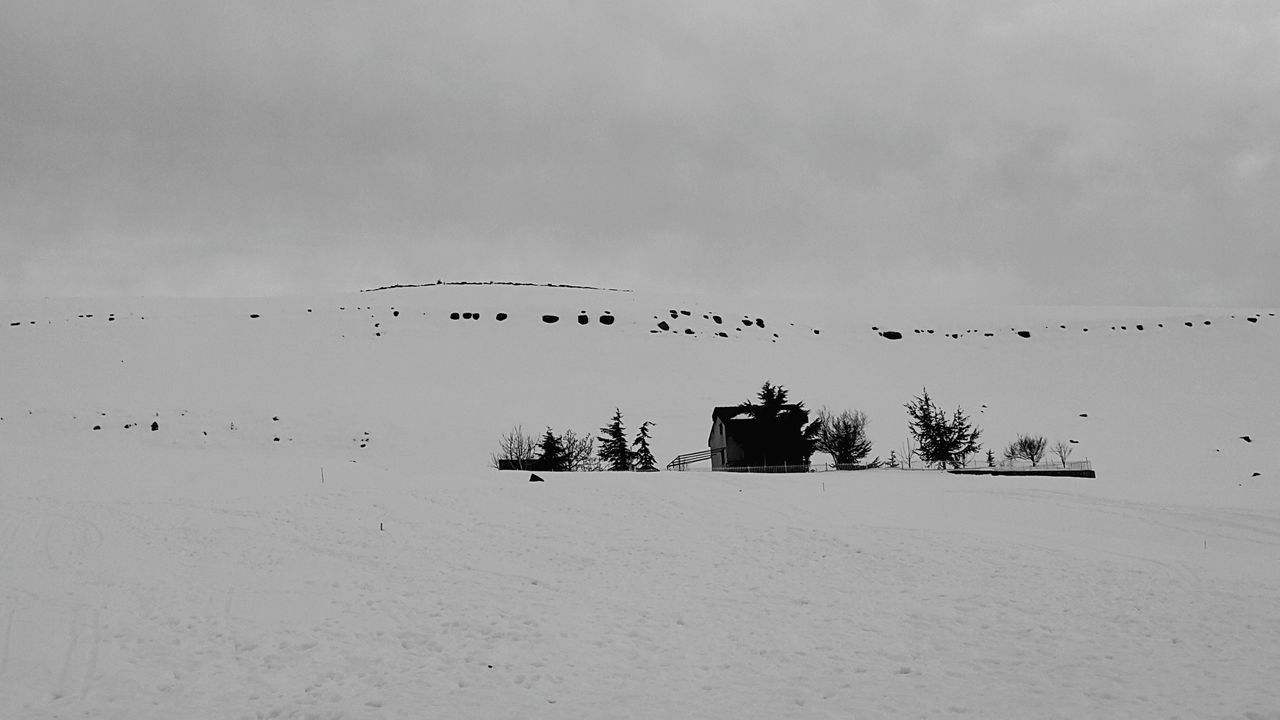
[[312, 530]]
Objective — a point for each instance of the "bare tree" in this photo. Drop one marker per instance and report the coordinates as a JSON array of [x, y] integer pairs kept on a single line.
[[1063, 451], [1027, 447], [516, 447], [581, 450]]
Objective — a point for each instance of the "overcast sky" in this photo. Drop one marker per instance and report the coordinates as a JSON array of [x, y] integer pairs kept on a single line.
[[1083, 152]]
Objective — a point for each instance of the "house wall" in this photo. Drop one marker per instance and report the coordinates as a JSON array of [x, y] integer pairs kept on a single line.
[[725, 449], [717, 443]]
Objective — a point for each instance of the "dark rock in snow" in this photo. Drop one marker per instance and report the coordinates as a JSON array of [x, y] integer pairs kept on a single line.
[[534, 478], [1024, 333], [1246, 438], [550, 319], [606, 319], [500, 317], [891, 335], [583, 319], [663, 326]]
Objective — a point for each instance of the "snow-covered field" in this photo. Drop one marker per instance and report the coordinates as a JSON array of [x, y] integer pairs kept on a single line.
[[312, 531]]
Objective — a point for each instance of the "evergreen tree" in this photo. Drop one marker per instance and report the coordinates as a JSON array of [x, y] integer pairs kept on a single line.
[[893, 459], [942, 441], [614, 452], [552, 457], [642, 457], [785, 436]]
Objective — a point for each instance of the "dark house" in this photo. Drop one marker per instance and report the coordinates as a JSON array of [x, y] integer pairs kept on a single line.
[[741, 439]]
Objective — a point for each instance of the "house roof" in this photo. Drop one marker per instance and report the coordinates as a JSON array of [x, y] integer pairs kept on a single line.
[[730, 412], [736, 412]]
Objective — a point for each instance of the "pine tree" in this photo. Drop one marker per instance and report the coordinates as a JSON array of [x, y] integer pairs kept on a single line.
[[642, 457], [614, 452], [941, 441], [553, 457], [785, 436], [893, 459]]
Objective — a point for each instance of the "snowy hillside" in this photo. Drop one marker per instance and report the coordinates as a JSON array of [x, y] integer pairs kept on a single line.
[[311, 529]]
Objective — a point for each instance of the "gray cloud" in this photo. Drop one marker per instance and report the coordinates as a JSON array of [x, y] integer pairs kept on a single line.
[[1009, 150]]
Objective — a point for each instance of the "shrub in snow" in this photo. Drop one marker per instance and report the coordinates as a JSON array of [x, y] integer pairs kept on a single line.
[[843, 436]]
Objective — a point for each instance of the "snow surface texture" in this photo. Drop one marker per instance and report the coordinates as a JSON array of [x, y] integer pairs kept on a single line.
[[311, 529]]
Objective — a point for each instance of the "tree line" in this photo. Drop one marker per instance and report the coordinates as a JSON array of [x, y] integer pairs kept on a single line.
[[572, 452], [783, 433]]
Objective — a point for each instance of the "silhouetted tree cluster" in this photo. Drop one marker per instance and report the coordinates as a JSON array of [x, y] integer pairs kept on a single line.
[[942, 441], [616, 454], [572, 452], [551, 452], [782, 433]]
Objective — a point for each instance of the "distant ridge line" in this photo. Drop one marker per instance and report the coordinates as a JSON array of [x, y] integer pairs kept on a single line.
[[497, 282]]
